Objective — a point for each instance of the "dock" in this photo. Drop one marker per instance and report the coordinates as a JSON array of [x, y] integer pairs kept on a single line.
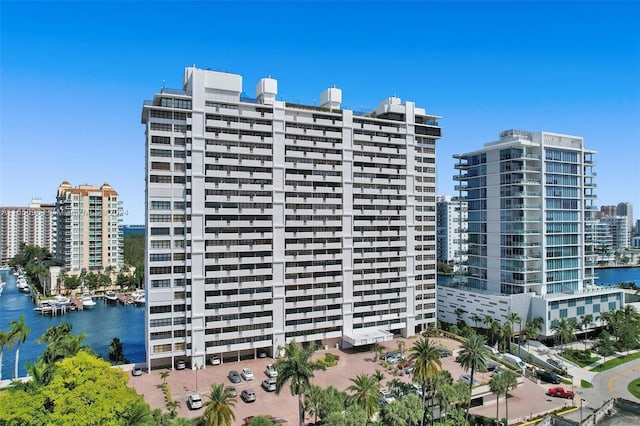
[[77, 302], [124, 298]]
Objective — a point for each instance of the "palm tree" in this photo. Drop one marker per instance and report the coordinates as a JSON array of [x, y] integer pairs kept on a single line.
[[138, 415], [164, 375], [376, 350], [116, 351], [498, 386], [586, 321], [365, 390], [296, 366], [401, 346], [474, 356], [532, 329], [17, 336], [4, 342], [476, 319], [378, 375], [313, 397], [173, 406], [511, 382], [426, 367], [564, 330], [514, 318], [219, 408]]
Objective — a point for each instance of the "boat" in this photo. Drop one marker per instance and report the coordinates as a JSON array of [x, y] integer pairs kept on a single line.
[[23, 285], [111, 296], [61, 300], [138, 298], [87, 301]]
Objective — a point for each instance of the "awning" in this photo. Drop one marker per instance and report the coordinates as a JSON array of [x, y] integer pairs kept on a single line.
[[367, 336]]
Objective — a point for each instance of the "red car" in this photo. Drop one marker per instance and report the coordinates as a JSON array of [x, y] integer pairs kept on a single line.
[[560, 392]]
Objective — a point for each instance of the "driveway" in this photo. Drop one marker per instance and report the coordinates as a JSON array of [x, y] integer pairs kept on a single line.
[[529, 399]]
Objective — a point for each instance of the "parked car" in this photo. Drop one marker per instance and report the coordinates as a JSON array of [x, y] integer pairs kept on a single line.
[[215, 360], [493, 351], [136, 371], [271, 371], [232, 390], [386, 395], [269, 385], [555, 363], [247, 374], [194, 401], [385, 356], [417, 389], [549, 377], [180, 365], [262, 353], [466, 378], [560, 392], [234, 376], [248, 395], [394, 359], [444, 352], [496, 371]]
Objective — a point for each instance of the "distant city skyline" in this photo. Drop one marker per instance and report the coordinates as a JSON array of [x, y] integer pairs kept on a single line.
[[74, 76]]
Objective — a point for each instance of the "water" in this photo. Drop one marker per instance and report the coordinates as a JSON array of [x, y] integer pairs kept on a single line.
[[614, 276], [100, 324]]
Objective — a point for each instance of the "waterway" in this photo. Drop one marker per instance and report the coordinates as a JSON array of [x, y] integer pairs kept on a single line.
[[100, 325], [104, 322]]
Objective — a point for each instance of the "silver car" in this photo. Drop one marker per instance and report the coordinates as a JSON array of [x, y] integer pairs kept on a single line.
[[269, 385]]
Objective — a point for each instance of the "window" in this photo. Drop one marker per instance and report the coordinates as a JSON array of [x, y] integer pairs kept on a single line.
[[563, 313], [596, 308], [161, 205], [580, 310]]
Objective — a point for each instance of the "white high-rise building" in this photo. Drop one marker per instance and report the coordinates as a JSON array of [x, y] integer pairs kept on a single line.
[[619, 231], [34, 224], [451, 230], [531, 232], [269, 221], [88, 220]]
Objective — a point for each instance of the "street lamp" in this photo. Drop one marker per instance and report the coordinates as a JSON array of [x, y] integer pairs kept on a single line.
[[581, 400]]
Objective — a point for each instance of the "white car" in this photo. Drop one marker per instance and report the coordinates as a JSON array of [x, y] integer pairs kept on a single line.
[[247, 374], [215, 360], [271, 371], [386, 395], [194, 401], [269, 385]]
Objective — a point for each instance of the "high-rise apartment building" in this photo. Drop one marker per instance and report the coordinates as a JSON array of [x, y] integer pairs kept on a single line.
[[619, 231], [531, 232], [34, 224], [451, 230], [625, 209], [88, 236], [269, 221]]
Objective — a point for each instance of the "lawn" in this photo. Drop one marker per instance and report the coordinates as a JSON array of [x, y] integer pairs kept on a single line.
[[634, 388], [616, 362], [574, 356]]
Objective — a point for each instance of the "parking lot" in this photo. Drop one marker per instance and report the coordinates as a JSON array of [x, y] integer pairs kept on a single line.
[[526, 401]]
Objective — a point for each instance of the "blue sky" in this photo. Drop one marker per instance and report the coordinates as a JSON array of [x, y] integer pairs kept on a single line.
[[74, 76]]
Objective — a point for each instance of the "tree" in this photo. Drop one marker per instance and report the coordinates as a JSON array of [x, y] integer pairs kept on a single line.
[[473, 356], [164, 375], [532, 329], [4, 342], [260, 421], [511, 382], [498, 386], [586, 321], [376, 350], [365, 391], [296, 366], [353, 416], [514, 318], [312, 400], [476, 319], [219, 408], [332, 401], [379, 375], [426, 367], [116, 351], [564, 330], [84, 390], [401, 346], [17, 336]]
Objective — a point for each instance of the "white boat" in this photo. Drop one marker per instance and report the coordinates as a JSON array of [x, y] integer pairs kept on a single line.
[[111, 296], [87, 301], [61, 300], [22, 284], [138, 298]]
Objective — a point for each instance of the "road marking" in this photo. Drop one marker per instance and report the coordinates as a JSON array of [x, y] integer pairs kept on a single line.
[[616, 377]]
